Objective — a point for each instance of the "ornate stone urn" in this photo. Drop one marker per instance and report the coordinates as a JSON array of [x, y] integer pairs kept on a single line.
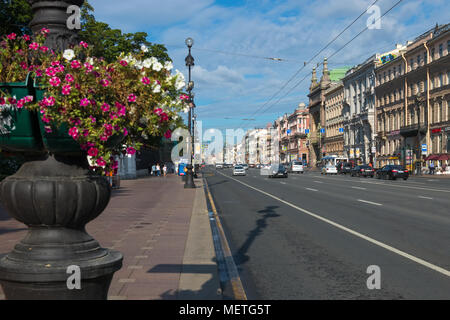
[[56, 195]]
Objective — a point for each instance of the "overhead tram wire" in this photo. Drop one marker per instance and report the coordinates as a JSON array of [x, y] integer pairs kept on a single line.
[[308, 62], [336, 52]]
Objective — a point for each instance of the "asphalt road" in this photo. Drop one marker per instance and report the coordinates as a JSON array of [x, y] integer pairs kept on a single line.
[[313, 237]]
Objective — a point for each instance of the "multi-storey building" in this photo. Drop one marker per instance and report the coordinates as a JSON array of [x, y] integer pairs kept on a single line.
[[413, 101], [334, 121], [359, 111], [317, 116]]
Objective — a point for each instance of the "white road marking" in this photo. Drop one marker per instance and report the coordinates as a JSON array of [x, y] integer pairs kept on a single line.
[[311, 189], [283, 182], [318, 181], [355, 233], [359, 188], [370, 202], [422, 197]]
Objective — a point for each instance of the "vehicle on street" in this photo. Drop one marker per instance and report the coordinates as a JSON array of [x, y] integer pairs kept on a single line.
[[278, 170], [344, 167], [252, 165], [362, 171], [329, 169], [239, 171], [296, 167], [219, 166], [245, 166], [392, 172]]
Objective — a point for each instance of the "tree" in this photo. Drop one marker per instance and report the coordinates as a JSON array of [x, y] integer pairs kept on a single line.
[[15, 16]]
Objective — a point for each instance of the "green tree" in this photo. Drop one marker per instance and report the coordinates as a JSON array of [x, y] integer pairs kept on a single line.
[[15, 15]]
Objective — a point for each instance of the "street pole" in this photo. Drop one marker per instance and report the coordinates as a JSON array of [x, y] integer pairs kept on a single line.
[[189, 184]]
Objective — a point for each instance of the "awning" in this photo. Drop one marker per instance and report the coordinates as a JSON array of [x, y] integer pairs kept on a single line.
[[432, 157], [444, 157]]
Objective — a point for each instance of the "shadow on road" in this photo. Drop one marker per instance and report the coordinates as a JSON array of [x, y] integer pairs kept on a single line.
[[241, 256]]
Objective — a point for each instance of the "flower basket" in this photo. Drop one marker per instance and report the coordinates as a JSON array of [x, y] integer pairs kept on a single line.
[[19, 128]]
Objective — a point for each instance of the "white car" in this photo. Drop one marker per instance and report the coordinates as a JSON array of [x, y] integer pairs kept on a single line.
[[329, 170], [239, 171], [296, 167], [219, 166]]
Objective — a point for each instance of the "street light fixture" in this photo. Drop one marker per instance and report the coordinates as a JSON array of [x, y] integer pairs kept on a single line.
[[189, 182]]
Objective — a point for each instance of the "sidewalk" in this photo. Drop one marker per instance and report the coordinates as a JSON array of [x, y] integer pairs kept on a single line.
[[164, 233]]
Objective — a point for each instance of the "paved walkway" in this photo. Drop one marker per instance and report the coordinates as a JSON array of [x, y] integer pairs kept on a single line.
[[164, 234]]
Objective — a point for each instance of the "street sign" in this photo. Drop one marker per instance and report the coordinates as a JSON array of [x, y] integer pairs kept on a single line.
[[322, 130], [306, 131], [424, 148], [288, 131], [374, 149], [341, 130]]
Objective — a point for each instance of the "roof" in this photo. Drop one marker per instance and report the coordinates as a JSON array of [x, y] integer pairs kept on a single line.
[[338, 73]]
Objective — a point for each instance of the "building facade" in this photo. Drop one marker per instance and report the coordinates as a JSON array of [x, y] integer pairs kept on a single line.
[[334, 120]]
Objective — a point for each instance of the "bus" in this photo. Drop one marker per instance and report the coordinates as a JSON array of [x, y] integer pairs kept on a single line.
[[332, 160]]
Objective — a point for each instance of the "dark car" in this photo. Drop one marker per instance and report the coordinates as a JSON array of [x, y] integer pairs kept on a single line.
[[344, 167], [278, 170], [392, 172], [362, 171]]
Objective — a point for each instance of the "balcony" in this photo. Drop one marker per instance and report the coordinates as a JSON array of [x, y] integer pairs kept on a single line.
[[413, 130]]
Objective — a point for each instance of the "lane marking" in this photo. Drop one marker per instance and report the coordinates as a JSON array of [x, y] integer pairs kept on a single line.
[[282, 182], [236, 284], [318, 181], [355, 233], [422, 197], [311, 189], [370, 202], [359, 188]]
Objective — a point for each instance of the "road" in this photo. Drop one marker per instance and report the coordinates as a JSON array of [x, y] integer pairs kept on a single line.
[[313, 237]]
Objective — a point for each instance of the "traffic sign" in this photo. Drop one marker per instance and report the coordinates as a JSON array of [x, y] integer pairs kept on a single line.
[[306, 131], [322, 130], [424, 148], [341, 130]]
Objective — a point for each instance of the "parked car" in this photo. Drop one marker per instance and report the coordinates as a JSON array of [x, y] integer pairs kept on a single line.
[[239, 171], [278, 170], [329, 169], [245, 166], [363, 171], [392, 172], [296, 167], [344, 167], [219, 166]]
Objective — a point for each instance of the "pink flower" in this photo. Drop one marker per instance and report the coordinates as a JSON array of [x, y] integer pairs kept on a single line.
[[75, 64], [103, 138], [34, 46], [49, 101], [158, 111], [23, 65], [168, 134], [66, 89], [93, 119], [28, 98], [93, 152], [11, 36], [20, 103], [48, 129], [12, 101], [26, 37], [105, 82], [50, 72], [2, 101], [43, 48], [56, 63], [88, 67], [75, 122], [105, 107], [123, 63], [44, 31], [55, 81], [145, 80], [70, 78], [45, 119], [131, 150], [125, 132], [184, 97], [59, 69], [39, 73], [132, 98], [84, 44], [163, 117], [84, 102], [121, 110], [85, 132], [101, 162], [73, 132]]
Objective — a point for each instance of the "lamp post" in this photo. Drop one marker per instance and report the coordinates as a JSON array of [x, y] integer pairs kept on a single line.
[[190, 63]]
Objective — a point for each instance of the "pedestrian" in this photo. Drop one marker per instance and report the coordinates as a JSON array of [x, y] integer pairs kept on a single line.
[[165, 170], [158, 170], [153, 170], [431, 167]]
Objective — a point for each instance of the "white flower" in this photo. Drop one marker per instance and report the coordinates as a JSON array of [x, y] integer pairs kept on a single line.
[[90, 61], [69, 54], [157, 89], [139, 65], [147, 63], [157, 66], [144, 48], [186, 109], [168, 65]]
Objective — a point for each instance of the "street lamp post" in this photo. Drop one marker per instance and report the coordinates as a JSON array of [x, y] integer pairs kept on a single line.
[[190, 63]]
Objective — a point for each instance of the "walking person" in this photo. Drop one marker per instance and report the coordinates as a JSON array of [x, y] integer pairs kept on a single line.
[[158, 170], [165, 170], [154, 170]]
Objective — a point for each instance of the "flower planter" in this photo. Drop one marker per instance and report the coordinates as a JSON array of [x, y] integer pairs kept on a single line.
[[19, 128]]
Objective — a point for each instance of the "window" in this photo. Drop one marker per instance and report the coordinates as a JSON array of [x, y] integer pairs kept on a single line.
[[395, 71], [441, 112], [448, 111], [441, 80], [441, 50], [384, 76], [432, 54], [425, 57], [400, 69], [418, 60], [411, 63], [448, 47]]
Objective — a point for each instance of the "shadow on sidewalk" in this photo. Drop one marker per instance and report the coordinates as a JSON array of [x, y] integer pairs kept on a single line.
[[208, 290], [121, 192]]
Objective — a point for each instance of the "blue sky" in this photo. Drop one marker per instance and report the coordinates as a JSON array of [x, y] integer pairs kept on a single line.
[[229, 88]]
